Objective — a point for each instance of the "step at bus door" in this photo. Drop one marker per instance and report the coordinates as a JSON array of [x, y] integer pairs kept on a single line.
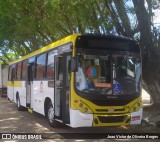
[[62, 87]]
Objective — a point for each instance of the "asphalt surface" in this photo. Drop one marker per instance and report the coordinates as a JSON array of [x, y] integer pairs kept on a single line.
[[22, 122]]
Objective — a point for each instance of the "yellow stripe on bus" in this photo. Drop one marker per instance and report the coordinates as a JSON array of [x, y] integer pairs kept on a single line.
[[53, 45], [14, 83]]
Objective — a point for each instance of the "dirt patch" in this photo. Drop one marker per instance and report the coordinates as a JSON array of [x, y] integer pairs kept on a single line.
[[151, 114]]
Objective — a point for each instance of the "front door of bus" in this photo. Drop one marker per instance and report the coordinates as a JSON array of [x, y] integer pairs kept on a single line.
[[62, 86]]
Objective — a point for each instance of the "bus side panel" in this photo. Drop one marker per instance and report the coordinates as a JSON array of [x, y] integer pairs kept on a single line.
[[10, 92], [40, 92], [20, 89], [22, 93]]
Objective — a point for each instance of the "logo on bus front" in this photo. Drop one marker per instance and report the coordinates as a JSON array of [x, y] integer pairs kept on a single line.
[[111, 110]]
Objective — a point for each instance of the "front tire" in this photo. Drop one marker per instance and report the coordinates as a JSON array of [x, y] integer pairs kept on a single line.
[[50, 116]]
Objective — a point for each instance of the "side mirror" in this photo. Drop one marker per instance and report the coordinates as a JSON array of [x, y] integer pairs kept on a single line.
[[74, 64]]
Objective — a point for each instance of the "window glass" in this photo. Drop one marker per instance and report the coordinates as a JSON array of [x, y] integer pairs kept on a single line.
[[94, 74], [50, 65], [40, 66], [126, 75], [19, 71], [13, 72], [10, 73], [24, 69]]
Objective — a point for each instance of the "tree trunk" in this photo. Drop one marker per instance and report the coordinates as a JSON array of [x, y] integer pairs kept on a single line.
[[149, 67], [120, 6]]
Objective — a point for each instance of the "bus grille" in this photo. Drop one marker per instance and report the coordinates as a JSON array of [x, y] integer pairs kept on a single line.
[[112, 119]]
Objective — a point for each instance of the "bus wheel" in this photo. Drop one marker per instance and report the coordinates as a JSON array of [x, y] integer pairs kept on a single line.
[[19, 107], [50, 116]]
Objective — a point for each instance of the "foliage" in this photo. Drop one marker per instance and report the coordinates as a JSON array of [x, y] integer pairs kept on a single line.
[[142, 28], [27, 25]]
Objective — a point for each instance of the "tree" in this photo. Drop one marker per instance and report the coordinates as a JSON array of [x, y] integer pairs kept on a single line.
[[28, 25], [148, 36]]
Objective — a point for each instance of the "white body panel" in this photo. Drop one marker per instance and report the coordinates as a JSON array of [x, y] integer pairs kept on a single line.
[[40, 92], [137, 113], [10, 93], [22, 94], [33, 92], [79, 119]]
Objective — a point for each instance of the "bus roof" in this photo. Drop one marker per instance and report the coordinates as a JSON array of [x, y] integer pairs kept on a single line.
[[107, 42], [67, 39], [72, 38]]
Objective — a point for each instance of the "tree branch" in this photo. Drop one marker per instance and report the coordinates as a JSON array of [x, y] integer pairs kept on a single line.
[[114, 18], [123, 17]]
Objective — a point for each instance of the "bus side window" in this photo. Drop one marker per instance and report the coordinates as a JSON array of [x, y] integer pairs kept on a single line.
[[19, 67], [24, 69], [40, 66], [10, 73], [13, 72], [50, 65]]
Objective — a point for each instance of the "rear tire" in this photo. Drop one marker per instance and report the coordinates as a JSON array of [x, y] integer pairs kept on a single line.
[[19, 107], [50, 116]]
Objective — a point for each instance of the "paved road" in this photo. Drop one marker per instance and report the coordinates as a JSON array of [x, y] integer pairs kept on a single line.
[[13, 121]]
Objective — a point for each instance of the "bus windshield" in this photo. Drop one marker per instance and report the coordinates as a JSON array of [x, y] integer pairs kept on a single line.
[[109, 74]]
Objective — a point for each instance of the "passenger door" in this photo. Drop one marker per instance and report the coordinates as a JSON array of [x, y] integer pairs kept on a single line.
[[62, 87]]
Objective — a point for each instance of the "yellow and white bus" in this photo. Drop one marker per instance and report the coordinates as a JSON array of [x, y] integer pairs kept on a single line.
[[81, 81]]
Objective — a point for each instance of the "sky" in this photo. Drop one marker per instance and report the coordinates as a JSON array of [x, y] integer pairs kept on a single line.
[[157, 17]]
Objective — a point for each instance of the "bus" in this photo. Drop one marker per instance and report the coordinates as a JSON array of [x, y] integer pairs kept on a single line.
[[82, 81]]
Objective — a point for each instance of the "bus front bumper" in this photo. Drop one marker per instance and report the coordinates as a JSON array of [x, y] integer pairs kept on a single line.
[[79, 119]]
